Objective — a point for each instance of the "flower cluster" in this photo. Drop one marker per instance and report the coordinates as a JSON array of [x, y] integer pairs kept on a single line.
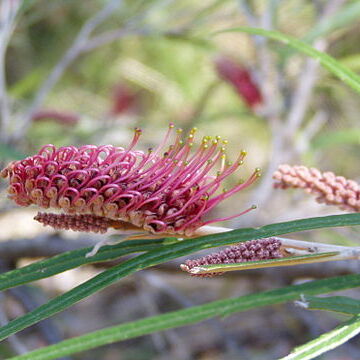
[[254, 250], [166, 190], [328, 188]]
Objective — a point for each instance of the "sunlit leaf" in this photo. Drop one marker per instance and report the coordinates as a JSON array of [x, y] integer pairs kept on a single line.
[[327, 341]]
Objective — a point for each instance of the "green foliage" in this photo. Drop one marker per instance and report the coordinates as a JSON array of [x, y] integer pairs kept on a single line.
[[336, 138], [343, 73], [193, 315], [326, 342], [347, 15], [341, 304], [9, 152], [72, 259], [163, 254], [164, 59]]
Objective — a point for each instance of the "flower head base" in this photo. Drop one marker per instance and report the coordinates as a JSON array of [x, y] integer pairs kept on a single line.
[[254, 250], [327, 187], [157, 191]]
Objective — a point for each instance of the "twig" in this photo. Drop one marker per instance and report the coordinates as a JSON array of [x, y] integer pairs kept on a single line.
[[147, 298], [42, 246], [47, 328], [158, 282], [302, 95], [8, 13], [247, 12], [200, 106], [70, 55], [29, 300], [17, 346], [282, 135], [109, 36], [302, 142], [130, 27]]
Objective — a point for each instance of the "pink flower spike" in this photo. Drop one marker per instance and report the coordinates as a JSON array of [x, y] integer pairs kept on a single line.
[[253, 250], [165, 191], [327, 187]]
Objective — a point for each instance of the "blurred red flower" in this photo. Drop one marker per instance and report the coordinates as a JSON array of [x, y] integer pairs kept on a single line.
[[62, 117], [240, 78], [123, 99]]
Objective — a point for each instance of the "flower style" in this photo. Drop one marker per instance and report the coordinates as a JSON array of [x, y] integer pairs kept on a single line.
[[328, 188], [163, 191], [253, 250]]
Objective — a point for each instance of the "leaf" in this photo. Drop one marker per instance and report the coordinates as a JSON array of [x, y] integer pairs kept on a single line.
[[341, 304], [72, 259], [327, 341], [345, 16], [8, 152], [333, 138], [327, 61], [27, 84], [167, 253], [188, 316], [352, 62]]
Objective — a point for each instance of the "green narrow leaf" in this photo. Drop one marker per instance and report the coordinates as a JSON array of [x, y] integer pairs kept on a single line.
[[327, 61], [345, 16], [167, 253], [327, 341], [341, 304], [188, 316], [351, 61], [8, 152], [72, 259], [333, 138]]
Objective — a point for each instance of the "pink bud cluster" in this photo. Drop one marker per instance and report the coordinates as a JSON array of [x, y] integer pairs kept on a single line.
[[166, 190], [328, 188], [254, 250], [83, 222]]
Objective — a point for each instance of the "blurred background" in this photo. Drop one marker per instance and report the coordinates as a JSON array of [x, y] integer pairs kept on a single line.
[[74, 73]]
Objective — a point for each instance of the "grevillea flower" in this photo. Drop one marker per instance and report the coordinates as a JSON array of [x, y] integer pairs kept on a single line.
[[240, 78], [163, 191], [254, 250], [328, 188]]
